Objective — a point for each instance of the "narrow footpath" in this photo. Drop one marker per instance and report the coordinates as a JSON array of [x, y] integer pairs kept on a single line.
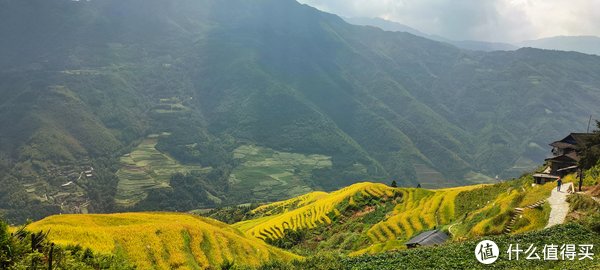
[[560, 206]]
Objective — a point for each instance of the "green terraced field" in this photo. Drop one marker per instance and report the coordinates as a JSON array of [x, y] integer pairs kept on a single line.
[[146, 168], [272, 175], [170, 105]]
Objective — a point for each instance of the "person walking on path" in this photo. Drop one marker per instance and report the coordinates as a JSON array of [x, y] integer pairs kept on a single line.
[[558, 184]]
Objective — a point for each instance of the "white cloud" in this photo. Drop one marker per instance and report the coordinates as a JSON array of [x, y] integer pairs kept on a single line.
[[489, 20]]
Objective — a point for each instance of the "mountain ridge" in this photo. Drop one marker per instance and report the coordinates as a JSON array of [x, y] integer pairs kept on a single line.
[[583, 44], [276, 76]]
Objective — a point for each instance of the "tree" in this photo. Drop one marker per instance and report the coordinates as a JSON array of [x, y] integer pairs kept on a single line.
[[590, 152], [29, 250], [394, 184]]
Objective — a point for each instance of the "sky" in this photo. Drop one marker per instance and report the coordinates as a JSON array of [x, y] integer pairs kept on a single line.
[[485, 20]]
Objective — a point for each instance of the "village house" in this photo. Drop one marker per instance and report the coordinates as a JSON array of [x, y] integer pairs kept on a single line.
[[565, 158]]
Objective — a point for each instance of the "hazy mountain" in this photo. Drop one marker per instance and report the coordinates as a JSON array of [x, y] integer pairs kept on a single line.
[[584, 44], [464, 44], [84, 83], [477, 45], [388, 26]]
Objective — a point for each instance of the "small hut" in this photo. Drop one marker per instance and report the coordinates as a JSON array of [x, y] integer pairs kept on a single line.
[[428, 238]]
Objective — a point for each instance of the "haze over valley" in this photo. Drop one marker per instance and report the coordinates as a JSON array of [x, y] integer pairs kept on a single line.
[[301, 133]]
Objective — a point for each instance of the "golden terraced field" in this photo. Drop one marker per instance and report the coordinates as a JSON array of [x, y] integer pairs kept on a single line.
[[376, 216], [161, 240], [414, 210], [319, 210]]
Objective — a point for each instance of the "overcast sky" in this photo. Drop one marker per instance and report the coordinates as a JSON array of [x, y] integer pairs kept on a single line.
[[487, 20]]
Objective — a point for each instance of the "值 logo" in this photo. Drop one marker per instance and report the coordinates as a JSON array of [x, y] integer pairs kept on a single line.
[[487, 252]]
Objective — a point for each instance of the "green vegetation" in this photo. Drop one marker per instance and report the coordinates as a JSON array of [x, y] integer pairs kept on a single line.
[[373, 218], [22, 249], [281, 76], [260, 101], [585, 210], [592, 176], [230, 214], [363, 226], [532, 219], [267, 175], [488, 210], [460, 255], [144, 169], [590, 152], [420, 210], [189, 191]]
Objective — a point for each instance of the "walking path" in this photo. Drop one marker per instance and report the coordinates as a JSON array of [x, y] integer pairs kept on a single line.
[[560, 206]]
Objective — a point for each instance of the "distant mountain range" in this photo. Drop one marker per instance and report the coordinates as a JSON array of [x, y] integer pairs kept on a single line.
[[464, 44], [583, 44], [174, 105]]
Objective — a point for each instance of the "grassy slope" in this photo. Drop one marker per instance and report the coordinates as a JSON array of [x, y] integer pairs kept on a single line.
[[161, 240]]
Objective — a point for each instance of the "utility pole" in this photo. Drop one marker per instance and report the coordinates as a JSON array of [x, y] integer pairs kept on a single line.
[[580, 179], [589, 122]]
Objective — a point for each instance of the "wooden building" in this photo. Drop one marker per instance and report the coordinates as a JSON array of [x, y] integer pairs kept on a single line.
[[565, 158]]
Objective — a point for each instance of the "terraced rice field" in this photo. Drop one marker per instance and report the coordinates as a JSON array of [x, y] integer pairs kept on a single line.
[[314, 213], [428, 177], [146, 168], [288, 205], [420, 210], [161, 240], [272, 175], [170, 105], [493, 216], [415, 210]]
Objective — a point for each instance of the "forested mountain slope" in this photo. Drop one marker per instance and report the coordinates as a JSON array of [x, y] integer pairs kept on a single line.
[[85, 84]]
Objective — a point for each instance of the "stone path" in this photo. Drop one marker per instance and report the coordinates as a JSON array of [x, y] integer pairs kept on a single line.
[[560, 206]]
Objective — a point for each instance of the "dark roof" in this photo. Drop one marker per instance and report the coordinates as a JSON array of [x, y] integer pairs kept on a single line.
[[428, 238], [563, 145], [573, 139], [570, 157], [545, 175]]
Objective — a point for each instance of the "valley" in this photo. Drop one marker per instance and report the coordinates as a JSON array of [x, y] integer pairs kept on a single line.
[[268, 134], [369, 105]]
